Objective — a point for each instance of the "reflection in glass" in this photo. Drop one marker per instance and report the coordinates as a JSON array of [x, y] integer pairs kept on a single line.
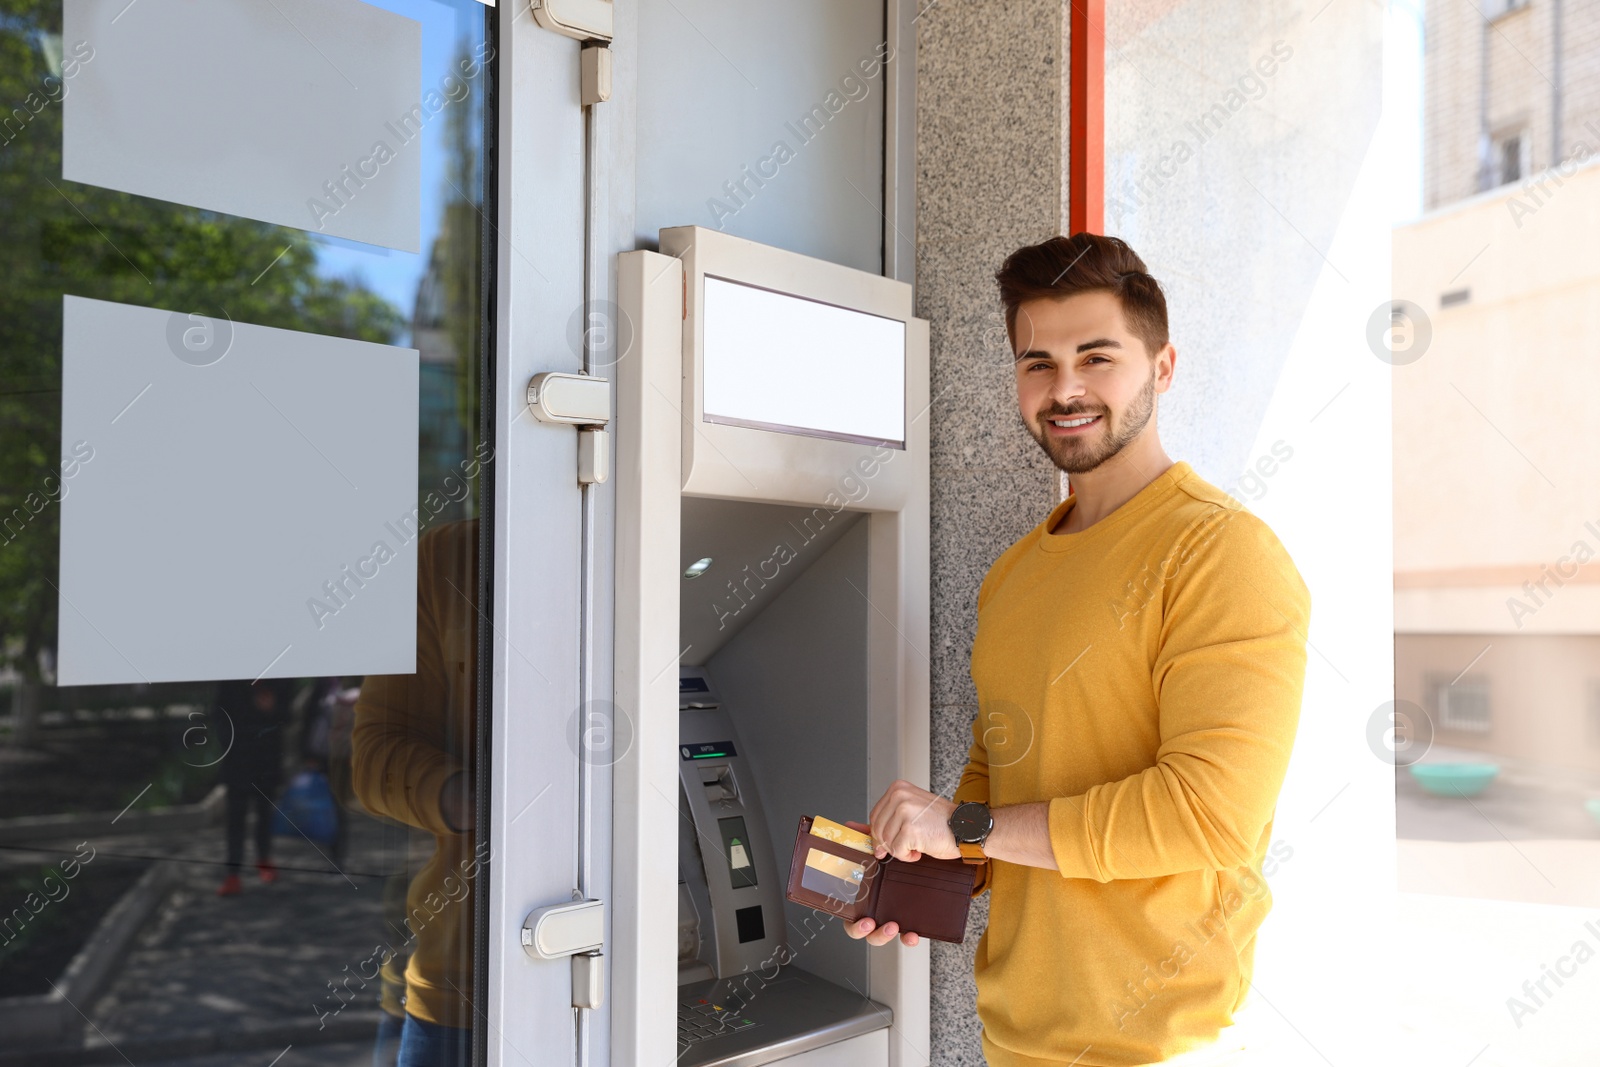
[[413, 744], [255, 862]]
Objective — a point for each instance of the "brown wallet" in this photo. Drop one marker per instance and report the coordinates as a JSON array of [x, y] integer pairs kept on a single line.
[[929, 897]]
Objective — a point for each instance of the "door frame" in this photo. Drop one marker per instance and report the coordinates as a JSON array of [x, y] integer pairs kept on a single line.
[[564, 201], [539, 802]]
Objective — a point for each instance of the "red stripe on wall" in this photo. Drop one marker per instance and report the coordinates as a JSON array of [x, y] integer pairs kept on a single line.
[[1086, 148]]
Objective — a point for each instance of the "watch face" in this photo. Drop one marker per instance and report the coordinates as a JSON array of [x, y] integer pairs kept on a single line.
[[970, 821]]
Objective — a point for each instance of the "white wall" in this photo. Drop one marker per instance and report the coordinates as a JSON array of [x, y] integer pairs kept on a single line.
[[1270, 236]]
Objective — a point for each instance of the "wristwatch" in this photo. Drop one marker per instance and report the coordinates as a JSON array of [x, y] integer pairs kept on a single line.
[[971, 823]]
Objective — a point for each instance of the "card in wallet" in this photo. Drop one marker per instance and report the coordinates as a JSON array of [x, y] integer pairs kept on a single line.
[[929, 897]]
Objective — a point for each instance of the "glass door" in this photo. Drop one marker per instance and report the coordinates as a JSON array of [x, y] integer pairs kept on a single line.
[[247, 330]]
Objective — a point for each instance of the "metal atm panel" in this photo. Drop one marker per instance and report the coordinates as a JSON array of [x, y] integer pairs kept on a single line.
[[732, 844], [740, 1001]]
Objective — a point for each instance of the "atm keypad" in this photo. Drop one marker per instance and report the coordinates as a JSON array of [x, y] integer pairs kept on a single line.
[[700, 1019]]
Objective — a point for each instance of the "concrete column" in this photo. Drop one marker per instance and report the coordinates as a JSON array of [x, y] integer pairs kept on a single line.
[[991, 87]]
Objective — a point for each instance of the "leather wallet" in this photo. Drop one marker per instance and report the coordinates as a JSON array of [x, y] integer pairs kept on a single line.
[[929, 897]]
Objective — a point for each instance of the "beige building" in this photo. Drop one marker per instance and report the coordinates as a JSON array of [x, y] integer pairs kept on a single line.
[[1497, 513], [1497, 493], [1512, 87]]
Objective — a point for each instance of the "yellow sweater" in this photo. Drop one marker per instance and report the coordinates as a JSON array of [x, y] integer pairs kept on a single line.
[[412, 733], [1144, 677]]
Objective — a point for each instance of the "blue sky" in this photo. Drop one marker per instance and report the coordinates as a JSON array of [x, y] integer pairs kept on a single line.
[[394, 275]]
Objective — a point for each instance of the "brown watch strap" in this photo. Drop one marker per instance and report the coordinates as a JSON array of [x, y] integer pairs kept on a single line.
[[971, 852]]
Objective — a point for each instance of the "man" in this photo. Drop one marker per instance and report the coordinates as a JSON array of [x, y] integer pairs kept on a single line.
[[1139, 662], [412, 753]]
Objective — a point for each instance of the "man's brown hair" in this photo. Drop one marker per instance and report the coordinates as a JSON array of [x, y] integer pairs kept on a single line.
[[1085, 263]]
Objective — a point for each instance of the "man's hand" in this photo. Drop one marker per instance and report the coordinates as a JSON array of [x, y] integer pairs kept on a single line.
[[909, 822], [865, 927]]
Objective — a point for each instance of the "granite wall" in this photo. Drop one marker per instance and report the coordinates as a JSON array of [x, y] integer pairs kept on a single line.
[[991, 176]]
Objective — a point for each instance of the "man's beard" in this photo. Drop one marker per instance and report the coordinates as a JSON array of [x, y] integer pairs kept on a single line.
[[1079, 455]]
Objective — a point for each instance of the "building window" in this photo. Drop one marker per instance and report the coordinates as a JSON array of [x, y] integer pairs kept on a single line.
[[1495, 8], [1510, 159], [1464, 706]]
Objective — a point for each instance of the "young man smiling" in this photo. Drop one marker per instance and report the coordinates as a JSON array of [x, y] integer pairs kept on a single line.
[[1139, 661]]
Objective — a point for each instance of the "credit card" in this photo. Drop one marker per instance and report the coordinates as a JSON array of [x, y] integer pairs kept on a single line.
[[832, 876], [829, 830]]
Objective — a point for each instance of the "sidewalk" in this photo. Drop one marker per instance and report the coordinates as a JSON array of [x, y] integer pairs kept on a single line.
[[248, 972], [1494, 889], [1526, 801], [1460, 963]]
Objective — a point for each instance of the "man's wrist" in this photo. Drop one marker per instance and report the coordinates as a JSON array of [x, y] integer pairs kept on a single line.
[[1021, 834]]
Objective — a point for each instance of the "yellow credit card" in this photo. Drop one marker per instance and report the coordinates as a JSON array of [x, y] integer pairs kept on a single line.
[[829, 830]]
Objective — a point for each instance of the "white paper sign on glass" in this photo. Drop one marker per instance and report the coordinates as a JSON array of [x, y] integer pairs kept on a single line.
[[249, 505], [774, 361], [298, 112]]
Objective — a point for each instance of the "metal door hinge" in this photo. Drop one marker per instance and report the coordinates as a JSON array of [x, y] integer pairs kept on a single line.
[[585, 20], [572, 399], [565, 929], [577, 930], [594, 455], [588, 979], [579, 400], [595, 75]]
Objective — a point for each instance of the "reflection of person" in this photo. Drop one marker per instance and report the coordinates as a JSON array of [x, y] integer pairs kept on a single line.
[[251, 723], [392, 971], [325, 747], [413, 747], [1139, 662]]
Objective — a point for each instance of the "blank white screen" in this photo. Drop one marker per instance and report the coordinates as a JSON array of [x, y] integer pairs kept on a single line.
[[787, 363]]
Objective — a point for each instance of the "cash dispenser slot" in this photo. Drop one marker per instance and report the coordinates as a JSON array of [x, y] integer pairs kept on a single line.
[[720, 785]]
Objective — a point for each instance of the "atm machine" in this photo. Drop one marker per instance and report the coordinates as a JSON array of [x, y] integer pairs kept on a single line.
[[741, 999], [771, 468]]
